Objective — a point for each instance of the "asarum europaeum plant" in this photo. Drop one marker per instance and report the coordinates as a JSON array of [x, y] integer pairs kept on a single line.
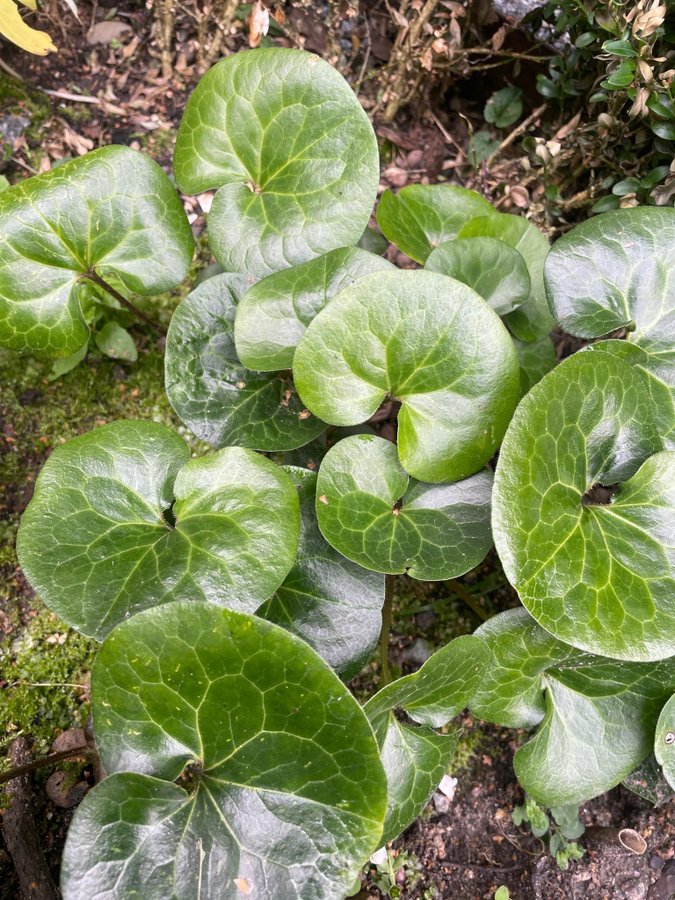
[[230, 593]]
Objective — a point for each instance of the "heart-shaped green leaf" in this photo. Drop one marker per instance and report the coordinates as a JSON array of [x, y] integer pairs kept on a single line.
[[282, 794], [421, 216], [596, 716], [617, 270], [122, 519], [664, 741], [335, 605], [415, 757], [282, 136], [373, 513], [113, 211], [533, 318], [583, 506], [273, 316], [659, 380], [488, 265], [428, 341], [219, 399]]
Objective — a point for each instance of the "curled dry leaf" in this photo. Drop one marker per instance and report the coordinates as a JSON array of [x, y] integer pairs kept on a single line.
[[259, 24]]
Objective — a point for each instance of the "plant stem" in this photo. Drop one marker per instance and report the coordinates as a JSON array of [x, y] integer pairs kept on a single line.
[[96, 278], [45, 761], [386, 626], [466, 597]]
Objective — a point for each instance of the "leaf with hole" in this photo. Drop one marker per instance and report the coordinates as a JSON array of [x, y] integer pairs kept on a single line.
[[420, 217], [532, 319], [374, 514], [274, 315], [122, 519], [428, 341], [583, 506], [111, 212], [595, 717], [616, 271], [414, 755], [488, 265], [294, 158], [280, 791], [333, 604], [664, 741], [219, 399]]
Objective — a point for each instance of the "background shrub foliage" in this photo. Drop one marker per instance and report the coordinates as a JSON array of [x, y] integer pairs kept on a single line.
[[230, 592]]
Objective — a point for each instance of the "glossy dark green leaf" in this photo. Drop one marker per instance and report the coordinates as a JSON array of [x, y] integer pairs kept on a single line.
[[488, 265], [220, 400], [533, 318], [374, 514], [281, 792], [113, 211], [333, 604], [272, 317], [504, 107], [282, 136], [659, 380], [664, 741], [596, 574], [374, 242], [428, 341], [536, 359], [421, 216], [595, 716], [617, 270], [414, 756], [122, 519]]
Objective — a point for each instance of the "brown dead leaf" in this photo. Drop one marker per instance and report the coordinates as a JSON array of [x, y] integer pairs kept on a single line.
[[258, 24], [106, 32], [77, 142], [498, 38]]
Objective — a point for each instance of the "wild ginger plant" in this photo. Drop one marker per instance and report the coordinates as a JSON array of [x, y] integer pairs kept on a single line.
[[231, 593]]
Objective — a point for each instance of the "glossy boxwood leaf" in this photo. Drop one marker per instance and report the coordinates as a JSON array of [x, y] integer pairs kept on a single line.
[[618, 271], [282, 794], [220, 400], [596, 716], [420, 217], [414, 756], [373, 513], [533, 318], [273, 316], [596, 574], [428, 341], [491, 267], [113, 211], [283, 137], [333, 604], [122, 519], [664, 741], [659, 381]]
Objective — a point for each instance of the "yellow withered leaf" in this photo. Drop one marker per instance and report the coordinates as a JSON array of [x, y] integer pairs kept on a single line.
[[13, 27]]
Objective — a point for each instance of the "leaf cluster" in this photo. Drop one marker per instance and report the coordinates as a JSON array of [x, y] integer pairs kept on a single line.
[[231, 593]]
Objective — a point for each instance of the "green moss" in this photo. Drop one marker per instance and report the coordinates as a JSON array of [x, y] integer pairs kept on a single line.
[[19, 100], [46, 667]]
